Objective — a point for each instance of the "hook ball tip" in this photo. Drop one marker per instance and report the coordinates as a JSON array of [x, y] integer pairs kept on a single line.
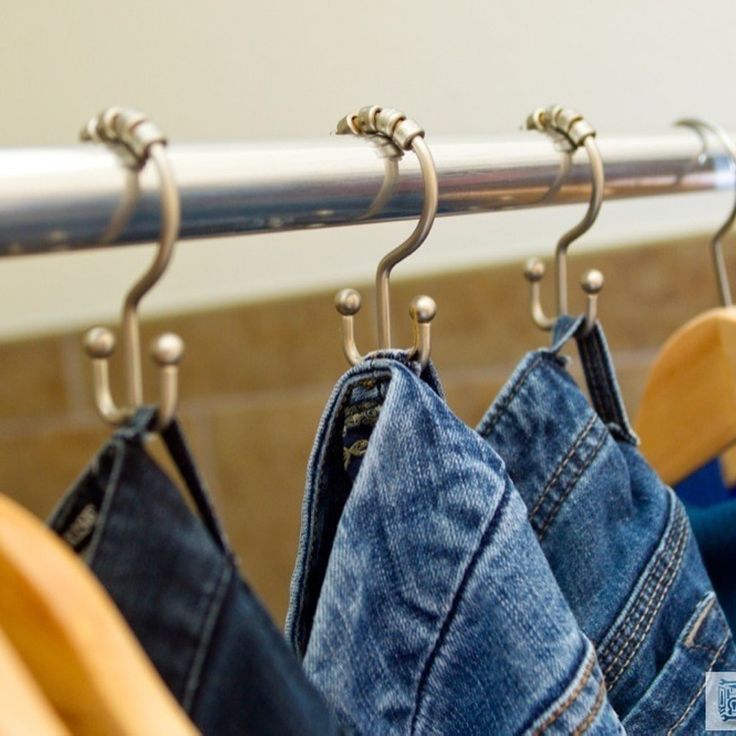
[[347, 302], [534, 270], [167, 349], [592, 281], [423, 309], [99, 342]]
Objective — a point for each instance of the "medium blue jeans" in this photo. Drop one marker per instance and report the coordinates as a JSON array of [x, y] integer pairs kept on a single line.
[[175, 580], [616, 538], [421, 602]]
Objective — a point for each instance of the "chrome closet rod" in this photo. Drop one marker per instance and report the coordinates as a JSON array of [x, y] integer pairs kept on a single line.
[[54, 199]]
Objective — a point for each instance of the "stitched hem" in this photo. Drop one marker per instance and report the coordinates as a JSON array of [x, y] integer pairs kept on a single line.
[[497, 410], [583, 680], [566, 490], [696, 697], [597, 705], [195, 672], [455, 603], [623, 640]]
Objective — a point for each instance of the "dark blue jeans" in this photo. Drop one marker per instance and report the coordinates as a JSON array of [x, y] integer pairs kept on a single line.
[[421, 602], [617, 539], [175, 580]]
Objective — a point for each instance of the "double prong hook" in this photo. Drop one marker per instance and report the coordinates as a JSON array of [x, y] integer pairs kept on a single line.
[[142, 140], [406, 135], [575, 132]]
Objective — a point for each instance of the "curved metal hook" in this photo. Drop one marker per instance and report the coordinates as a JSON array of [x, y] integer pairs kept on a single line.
[[143, 141], [719, 263], [570, 127], [406, 135]]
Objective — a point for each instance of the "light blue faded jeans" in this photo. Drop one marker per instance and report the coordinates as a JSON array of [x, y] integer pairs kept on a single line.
[[421, 602]]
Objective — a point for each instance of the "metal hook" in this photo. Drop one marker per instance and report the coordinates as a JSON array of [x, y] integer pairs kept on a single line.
[[142, 140], [591, 283], [719, 263], [571, 128], [406, 135]]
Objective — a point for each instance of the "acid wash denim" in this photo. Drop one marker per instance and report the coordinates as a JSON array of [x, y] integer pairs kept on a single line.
[[421, 602], [175, 580], [616, 538]]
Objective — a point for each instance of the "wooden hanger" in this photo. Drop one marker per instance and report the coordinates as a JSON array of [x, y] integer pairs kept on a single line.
[[688, 413], [687, 416], [74, 641], [23, 706]]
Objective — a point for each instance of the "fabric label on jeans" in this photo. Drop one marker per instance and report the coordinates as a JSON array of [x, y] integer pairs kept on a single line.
[[79, 532]]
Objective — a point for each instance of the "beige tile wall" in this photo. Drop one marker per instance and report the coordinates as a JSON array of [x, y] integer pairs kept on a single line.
[[256, 377]]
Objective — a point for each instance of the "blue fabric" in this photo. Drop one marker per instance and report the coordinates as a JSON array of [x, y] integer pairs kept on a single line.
[[421, 602], [704, 487], [617, 540], [715, 530], [175, 580]]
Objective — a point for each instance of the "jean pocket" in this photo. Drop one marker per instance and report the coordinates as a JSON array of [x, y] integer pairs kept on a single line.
[[675, 701]]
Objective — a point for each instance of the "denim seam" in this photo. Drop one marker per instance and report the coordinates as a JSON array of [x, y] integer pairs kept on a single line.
[[634, 642], [499, 409], [595, 709], [656, 593], [635, 604], [696, 696], [568, 489], [109, 494], [480, 547], [208, 627], [567, 704], [562, 465], [646, 609]]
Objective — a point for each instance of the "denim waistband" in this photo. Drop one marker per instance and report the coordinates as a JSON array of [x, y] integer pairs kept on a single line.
[[616, 538]]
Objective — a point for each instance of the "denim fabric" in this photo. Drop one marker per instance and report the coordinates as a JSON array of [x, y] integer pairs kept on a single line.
[[421, 602], [617, 539], [175, 580]]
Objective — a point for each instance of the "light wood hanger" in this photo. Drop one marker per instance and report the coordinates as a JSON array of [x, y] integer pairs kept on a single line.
[[23, 707], [687, 416], [74, 641]]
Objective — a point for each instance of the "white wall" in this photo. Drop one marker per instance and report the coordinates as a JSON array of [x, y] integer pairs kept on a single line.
[[234, 69]]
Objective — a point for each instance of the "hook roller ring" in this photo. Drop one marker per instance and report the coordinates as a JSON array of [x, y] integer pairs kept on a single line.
[[129, 128]]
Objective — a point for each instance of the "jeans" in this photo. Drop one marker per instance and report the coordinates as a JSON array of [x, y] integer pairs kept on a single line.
[[617, 539], [421, 602], [175, 580]]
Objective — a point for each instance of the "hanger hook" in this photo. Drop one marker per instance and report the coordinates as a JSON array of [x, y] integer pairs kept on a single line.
[[571, 128], [701, 127], [406, 135], [143, 141]]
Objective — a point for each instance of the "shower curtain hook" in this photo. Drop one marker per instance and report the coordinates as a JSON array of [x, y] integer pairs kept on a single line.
[[719, 263], [572, 128], [142, 140], [406, 135]]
